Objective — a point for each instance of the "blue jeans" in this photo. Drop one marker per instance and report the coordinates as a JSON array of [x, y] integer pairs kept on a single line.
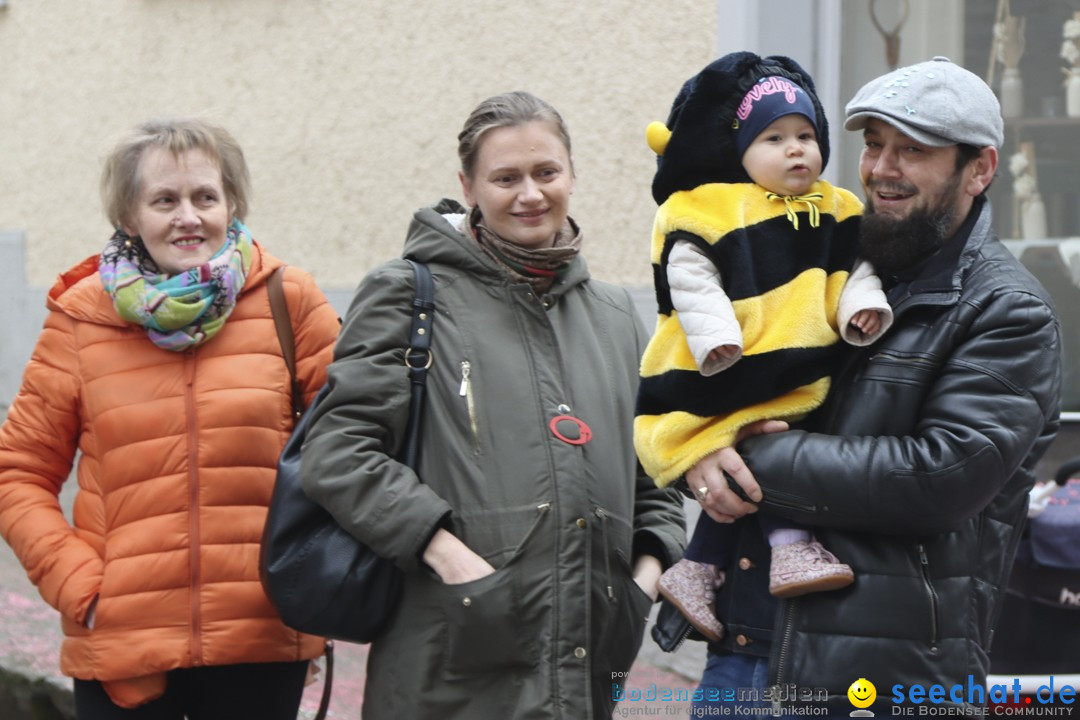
[[723, 677]]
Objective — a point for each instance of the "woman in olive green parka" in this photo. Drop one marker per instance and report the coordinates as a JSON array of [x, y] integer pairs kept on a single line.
[[530, 538]]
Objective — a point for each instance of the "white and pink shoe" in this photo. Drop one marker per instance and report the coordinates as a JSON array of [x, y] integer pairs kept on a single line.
[[691, 587], [806, 567]]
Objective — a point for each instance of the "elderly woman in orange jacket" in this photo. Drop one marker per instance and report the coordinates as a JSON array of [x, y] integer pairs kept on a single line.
[[159, 363]]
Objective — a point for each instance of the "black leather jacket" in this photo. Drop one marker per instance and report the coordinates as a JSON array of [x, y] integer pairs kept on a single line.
[[918, 479]]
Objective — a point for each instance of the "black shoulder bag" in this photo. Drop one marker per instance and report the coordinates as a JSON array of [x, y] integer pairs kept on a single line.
[[320, 578]]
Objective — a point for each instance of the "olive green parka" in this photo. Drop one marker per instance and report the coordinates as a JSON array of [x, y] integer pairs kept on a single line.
[[546, 635]]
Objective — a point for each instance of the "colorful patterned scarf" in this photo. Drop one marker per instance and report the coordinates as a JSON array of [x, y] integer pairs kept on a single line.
[[179, 311], [540, 267]]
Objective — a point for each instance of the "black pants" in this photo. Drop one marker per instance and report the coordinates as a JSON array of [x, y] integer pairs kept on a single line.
[[267, 691]]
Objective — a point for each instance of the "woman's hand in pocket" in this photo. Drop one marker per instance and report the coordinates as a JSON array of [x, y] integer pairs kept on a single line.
[[91, 613], [647, 571], [453, 561]]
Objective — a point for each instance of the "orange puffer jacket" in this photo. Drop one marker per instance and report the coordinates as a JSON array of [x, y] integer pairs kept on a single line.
[[178, 457]]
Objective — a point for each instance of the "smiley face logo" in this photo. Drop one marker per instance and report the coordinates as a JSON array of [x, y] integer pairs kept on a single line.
[[862, 693]]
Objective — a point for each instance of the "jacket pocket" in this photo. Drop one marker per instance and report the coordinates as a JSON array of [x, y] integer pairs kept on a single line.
[[901, 367], [787, 501], [484, 625], [73, 629]]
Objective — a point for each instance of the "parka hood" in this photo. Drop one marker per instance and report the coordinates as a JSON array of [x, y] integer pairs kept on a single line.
[[433, 239]]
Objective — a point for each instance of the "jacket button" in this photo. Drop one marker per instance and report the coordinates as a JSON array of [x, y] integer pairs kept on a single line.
[[745, 563], [579, 652], [742, 640], [466, 602], [581, 522]]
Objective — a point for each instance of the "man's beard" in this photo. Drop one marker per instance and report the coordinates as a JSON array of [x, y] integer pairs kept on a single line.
[[896, 244]]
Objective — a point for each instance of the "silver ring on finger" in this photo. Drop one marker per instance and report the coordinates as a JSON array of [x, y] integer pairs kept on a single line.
[[703, 492]]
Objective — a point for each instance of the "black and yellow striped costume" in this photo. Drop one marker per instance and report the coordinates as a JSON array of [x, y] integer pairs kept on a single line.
[[785, 287]]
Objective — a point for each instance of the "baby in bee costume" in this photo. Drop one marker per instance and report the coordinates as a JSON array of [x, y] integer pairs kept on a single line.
[[757, 282]]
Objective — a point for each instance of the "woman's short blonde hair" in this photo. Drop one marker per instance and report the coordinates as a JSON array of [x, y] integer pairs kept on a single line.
[[120, 181], [505, 110]]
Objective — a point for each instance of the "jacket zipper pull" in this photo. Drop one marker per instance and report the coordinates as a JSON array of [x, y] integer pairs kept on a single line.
[[465, 391], [466, 368]]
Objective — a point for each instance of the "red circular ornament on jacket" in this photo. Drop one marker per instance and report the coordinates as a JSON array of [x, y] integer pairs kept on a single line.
[[570, 429]]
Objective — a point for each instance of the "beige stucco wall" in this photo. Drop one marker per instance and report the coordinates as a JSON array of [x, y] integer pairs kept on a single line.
[[348, 110]]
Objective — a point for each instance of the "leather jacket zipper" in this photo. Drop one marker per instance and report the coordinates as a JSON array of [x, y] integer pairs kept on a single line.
[[785, 649], [931, 594], [682, 638], [466, 392]]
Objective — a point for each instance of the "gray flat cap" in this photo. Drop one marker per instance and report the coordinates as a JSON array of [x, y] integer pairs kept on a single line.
[[936, 102]]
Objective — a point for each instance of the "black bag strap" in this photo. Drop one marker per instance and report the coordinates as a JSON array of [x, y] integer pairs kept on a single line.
[[418, 357]]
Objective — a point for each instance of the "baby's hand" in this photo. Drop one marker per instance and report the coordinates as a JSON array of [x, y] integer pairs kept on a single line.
[[725, 352], [868, 322]]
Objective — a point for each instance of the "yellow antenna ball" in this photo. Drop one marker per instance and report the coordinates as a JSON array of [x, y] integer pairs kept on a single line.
[[657, 135]]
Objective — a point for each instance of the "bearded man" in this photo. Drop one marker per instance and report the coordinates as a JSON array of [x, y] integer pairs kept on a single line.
[[917, 469]]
